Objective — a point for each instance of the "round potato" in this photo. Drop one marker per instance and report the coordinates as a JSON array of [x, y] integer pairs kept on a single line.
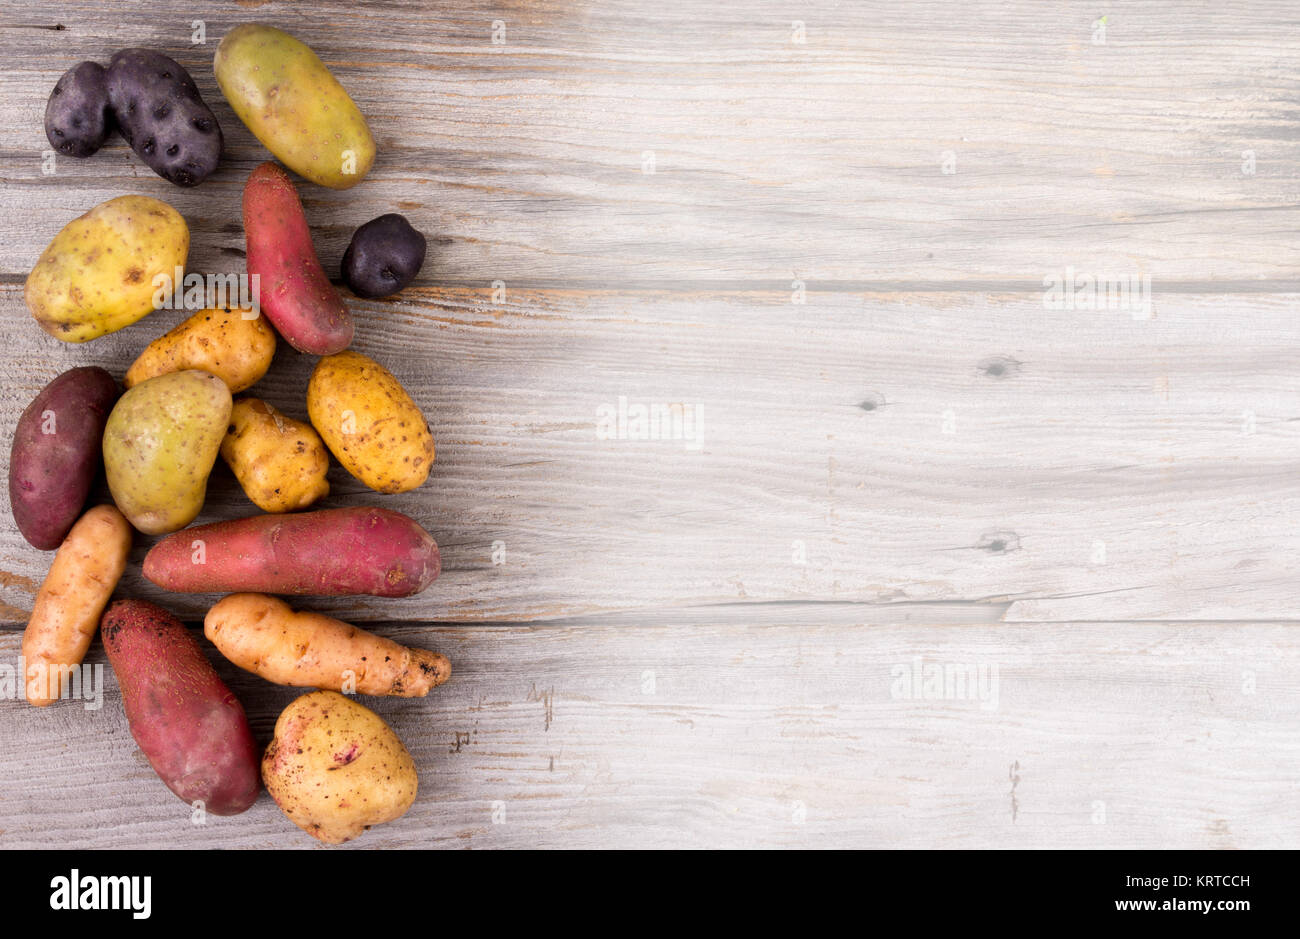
[[97, 275], [281, 463], [369, 422], [335, 768], [235, 345]]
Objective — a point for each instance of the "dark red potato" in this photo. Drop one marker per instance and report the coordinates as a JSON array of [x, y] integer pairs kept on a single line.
[[56, 453], [188, 724], [329, 553], [294, 292]]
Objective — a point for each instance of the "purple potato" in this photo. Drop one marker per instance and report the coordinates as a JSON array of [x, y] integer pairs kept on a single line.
[[56, 453], [77, 116], [160, 114], [384, 256]]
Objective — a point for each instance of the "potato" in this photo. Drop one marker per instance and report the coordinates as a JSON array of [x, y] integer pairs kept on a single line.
[[55, 453], [81, 579], [235, 345], [263, 635], [97, 275], [329, 553], [186, 721], [383, 257], [336, 769], [294, 106], [369, 422], [159, 446], [160, 113], [280, 463], [296, 295], [77, 116]]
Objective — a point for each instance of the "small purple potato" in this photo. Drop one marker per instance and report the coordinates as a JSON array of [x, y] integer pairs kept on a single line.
[[77, 116], [384, 256], [160, 114], [55, 454]]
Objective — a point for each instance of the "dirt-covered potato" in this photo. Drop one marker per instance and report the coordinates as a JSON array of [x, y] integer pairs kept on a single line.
[[97, 275], [369, 422], [335, 768], [225, 343], [77, 116], [384, 256], [160, 113], [280, 463]]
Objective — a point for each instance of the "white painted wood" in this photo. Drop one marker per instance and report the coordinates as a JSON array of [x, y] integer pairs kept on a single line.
[[1097, 467], [1104, 507], [1115, 735]]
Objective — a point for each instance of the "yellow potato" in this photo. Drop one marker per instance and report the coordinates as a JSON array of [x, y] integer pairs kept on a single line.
[[335, 768], [97, 275], [369, 422], [220, 342], [294, 106], [280, 463]]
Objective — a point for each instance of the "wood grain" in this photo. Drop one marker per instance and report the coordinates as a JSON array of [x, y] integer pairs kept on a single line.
[[904, 448], [839, 261], [704, 733]]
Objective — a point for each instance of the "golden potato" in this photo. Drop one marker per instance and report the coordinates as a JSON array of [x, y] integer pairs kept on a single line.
[[335, 768], [97, 275], [220, 342], [369, 422], [280, 463]]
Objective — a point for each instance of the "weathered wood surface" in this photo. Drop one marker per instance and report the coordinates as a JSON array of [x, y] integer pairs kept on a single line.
[[785, 735], [918, 459]]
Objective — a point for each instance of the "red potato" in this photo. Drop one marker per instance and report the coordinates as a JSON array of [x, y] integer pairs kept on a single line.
[[55, 453], [295, 294], [329, 553], [186, 721]]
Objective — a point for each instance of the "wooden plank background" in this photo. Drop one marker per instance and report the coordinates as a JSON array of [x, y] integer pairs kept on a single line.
[[834, 251]]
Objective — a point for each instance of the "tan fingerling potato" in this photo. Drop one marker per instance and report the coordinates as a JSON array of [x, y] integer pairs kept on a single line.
[[280, 463], [335, 768], [82, 577], [224, 343], [369, 422], [264, 636]]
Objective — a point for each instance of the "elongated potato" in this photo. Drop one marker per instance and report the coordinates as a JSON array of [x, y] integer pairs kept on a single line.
[[369, 422], [85, 572], [225, 343], [328, 553], [290, 101], [187, 722], [264, 636], [295, 294]]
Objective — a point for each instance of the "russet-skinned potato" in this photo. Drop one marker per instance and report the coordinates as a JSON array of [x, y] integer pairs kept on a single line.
[[369, 422]]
